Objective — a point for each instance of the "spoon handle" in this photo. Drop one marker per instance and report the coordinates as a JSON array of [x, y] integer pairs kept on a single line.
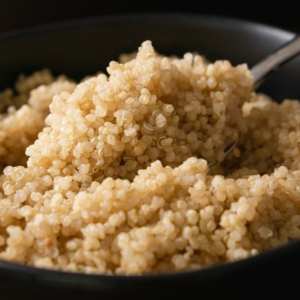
[[275, 60]]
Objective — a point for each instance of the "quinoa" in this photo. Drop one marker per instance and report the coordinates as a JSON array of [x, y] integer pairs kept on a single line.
[[115, 179]]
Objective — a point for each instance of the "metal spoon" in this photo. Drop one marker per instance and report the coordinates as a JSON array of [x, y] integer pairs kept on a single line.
[[266, 66]]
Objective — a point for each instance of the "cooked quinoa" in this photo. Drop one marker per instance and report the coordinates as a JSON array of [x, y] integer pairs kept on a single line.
[[115, 179]]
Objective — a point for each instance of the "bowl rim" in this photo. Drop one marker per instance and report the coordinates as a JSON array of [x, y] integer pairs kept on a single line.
[[145, 17], [63, 278]]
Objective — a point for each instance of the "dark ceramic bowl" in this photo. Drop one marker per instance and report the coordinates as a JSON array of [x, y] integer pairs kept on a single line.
[[84, 47]]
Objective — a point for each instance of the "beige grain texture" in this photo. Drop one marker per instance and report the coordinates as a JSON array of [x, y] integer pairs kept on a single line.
[[115, 179]]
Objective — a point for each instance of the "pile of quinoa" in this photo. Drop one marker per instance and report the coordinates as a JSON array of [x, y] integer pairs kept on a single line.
[[111, 176]]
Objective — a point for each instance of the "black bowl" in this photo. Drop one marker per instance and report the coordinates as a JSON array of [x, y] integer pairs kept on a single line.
[[84, 47]]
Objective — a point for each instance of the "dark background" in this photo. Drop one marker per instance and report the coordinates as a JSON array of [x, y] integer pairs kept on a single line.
[[16, 14]]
